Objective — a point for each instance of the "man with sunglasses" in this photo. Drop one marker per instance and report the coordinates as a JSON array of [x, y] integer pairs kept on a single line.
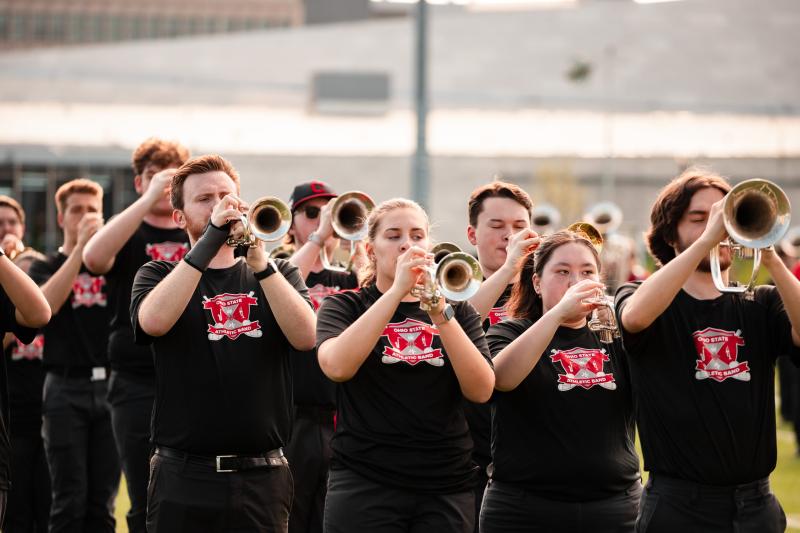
[[309, 450]]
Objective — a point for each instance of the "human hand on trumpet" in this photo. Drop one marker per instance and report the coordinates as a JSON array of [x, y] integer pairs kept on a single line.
[[519, 245], [578, 301]]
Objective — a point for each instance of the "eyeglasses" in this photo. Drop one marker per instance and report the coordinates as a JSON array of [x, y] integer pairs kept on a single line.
[[311, 211]]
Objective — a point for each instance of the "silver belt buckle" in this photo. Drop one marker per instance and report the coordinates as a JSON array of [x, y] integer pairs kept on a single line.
[[98, 373], [219, 469]]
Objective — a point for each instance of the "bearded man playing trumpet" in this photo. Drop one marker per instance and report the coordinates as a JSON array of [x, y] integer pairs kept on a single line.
[[702, 362], [222, 329]]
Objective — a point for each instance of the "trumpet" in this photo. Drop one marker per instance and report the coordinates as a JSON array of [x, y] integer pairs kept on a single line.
[[455, 275], [283, 251], [349, 220], [544, 218], [268, 220], [603, 321], [756, 214], [605, 216]]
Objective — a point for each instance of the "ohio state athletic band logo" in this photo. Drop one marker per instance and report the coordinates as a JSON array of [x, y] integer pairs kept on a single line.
[[31, 351], [166, 251], [318, 292], [718, 351], [231, 314], [87, 290], [410, 342], [497, 314], [583, 367]]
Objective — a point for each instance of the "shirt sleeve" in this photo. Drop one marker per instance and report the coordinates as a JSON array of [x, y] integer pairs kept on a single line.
[[292, 275], [470, 322], [335, 315], [40, 271], [504, 333], [780, 328], [148, 276], [633, 342]]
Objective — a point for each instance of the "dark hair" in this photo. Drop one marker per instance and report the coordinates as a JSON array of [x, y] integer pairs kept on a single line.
[[164, 154], [496, 189], [524, 302], [671, 204], [199, 165]]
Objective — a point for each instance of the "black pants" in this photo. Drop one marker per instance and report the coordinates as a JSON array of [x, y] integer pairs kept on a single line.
[[510, 509], [480, 490], [29, 497], [357, 505], [309, 454], [671, 505], [193, 498], [131, 398], [81, 453]]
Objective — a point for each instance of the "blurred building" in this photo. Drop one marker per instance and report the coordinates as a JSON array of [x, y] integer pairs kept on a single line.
[[602, 100], [36, 23]]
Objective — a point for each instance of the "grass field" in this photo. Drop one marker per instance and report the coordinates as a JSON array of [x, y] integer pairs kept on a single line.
[[785, 483]]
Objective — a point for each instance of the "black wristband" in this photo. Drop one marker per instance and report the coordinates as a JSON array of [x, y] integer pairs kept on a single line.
[[207, 246], [267, 272]]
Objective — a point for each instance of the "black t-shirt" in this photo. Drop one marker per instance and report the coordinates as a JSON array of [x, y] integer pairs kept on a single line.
[[25, 382], [8, 323], [147, 244], [311, 387], [703, 382], [479, 415], [76, 336], [400, 418], [567, 431], [223, 384]]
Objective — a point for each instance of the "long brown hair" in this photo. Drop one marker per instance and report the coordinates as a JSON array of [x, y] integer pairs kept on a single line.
[[671, 204], [367, 273], [524, 302]]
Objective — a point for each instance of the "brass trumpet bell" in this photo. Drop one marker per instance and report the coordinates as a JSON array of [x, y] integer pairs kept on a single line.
[[458, 276], [605, 216], [756, 214], [268, 220], [589, 231], [544, 218], [349, 214], [455, 275]]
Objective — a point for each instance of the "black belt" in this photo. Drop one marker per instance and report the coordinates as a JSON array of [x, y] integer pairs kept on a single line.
[[227, 463], [93, 373]]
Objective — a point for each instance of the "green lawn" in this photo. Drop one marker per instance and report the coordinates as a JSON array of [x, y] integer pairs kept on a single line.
[[785, 483]]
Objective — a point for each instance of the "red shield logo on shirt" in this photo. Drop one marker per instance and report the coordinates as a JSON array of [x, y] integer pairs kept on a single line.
[[718, 353], [318, 292], [31, 351], [583, 367], [231, 315], [166, 251], [87, 290], [410, 342], [497, 314]]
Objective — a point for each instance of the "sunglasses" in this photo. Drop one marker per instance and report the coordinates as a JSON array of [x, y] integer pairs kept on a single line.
[[311, 211]]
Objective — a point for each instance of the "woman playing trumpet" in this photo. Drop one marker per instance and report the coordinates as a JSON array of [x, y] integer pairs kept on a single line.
[[401, 451], [562, 450]]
